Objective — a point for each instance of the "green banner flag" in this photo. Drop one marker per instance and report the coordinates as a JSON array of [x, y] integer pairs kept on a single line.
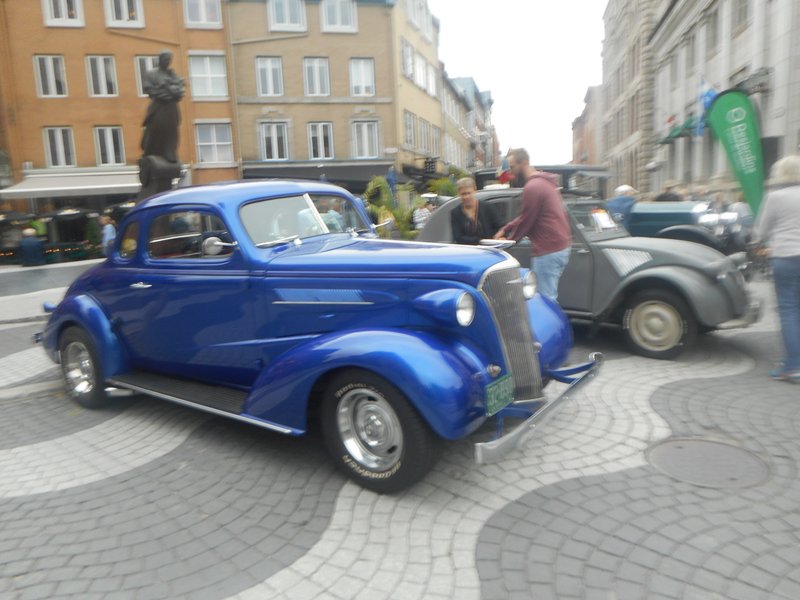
[[733, 120]]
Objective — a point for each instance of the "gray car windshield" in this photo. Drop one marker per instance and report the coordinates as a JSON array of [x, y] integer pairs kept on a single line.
[[594, 221]]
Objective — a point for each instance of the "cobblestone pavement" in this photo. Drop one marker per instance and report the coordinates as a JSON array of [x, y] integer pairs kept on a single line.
[[150, 500]]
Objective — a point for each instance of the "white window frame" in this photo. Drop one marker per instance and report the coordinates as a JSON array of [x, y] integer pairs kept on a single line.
[[274, 126], [320, 82], [420, 70], [407, 51], [215, 145], [410, 129], [113, 16], [138, 63], [203, 8], [104, 138], [200, 63], [57, 13], [362, 77], [740, 15], [432, 82], [52, 63], [105, 66], [365, 133], [65, 156], [424, 136], [287, 5], [337, 24], [269, 66], [319, 131]]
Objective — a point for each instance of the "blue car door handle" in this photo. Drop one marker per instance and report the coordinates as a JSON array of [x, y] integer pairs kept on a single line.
[[141, 285]]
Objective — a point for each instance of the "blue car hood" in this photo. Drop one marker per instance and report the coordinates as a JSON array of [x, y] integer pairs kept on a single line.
[[364, 257]]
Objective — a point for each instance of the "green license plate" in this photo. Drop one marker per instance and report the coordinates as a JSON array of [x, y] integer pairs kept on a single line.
[[499, 394]]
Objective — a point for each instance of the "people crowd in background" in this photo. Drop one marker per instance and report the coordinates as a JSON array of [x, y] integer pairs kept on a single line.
[[108, 234], [543, 219], [621, 204], [778, 229], [472, 221]]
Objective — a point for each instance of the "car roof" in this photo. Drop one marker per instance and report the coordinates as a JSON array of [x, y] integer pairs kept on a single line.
[[215, 194]]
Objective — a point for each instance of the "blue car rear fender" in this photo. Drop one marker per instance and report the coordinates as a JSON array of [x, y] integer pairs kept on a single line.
[[443, 380], [82, 311]]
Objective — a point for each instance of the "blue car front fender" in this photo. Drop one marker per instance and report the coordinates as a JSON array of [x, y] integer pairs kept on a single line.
[[82, 311], [443, 381]]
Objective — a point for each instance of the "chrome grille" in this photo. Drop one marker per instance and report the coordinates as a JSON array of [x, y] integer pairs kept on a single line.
[[503, 289]]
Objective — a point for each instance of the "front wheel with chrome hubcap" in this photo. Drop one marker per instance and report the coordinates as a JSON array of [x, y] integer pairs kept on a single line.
[[81, 369], [374, 434]]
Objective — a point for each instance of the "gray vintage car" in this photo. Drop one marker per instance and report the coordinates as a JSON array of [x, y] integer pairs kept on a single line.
[[662, 292]]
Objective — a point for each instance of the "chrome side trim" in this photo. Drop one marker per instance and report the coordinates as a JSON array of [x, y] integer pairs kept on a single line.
[[297, 302], [209, 409]]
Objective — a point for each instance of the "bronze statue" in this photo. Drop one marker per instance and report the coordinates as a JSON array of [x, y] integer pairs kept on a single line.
[[159, 165]]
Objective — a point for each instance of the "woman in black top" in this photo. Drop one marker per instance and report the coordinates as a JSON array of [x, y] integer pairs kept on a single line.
[[472, 221]]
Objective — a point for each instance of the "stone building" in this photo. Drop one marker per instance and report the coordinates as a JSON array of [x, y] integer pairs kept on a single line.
[[722, 44], [73, 104], [343, 89], [626, 126]]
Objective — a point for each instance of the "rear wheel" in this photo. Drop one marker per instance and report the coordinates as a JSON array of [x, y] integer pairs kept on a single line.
[[81, 368], [374, 434], [658, 324]]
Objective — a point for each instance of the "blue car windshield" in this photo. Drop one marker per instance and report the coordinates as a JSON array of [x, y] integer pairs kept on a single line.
[[278, 220]]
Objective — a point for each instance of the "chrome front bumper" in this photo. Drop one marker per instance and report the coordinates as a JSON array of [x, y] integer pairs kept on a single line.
[[536, 412]]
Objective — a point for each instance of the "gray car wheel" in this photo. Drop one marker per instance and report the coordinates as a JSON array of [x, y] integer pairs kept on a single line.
[[658, 324]]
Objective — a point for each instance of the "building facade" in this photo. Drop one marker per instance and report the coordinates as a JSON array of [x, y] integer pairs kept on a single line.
[[342, 90], [626, 127], [584, 129], [339, 90], [722, 44], [73, 100]]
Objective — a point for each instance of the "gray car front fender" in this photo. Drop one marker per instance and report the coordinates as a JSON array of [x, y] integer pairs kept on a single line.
[[705, 296]]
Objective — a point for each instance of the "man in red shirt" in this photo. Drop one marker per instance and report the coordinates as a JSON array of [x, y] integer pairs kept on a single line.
[[543, 219]]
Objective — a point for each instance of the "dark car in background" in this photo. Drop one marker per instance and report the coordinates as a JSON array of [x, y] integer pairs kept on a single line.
[[727, 229], [661, 292]]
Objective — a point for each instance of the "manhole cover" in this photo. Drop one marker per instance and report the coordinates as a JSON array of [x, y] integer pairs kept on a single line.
[[708, 463]]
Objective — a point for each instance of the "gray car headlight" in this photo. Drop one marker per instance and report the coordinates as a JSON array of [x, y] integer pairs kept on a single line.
[[465, 309], [529, 285]]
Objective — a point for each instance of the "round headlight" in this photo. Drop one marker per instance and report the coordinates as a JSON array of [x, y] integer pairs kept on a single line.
[[529, 285], [465, 309]]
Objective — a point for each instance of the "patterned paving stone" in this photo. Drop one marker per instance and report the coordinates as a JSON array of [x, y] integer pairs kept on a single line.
[[671, 539], [227, 507], [148, 500]]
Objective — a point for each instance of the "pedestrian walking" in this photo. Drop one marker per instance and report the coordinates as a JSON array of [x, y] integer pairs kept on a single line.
[[778, 229], [109, 234], [31, 248], [543, 219]]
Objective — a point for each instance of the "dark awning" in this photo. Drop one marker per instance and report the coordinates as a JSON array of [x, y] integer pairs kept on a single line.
[[348, 176]]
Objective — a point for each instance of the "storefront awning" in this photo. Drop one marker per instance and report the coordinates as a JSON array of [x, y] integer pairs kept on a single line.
[[346, 175], [60, 185]]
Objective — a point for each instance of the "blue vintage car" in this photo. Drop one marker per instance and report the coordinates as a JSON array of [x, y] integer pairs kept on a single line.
[[275, 303]]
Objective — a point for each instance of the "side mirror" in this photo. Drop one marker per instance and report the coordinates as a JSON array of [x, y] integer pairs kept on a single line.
[[213, 245]]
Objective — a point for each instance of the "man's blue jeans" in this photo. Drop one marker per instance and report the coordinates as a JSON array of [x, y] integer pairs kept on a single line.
[[548, 269], [786, 275]]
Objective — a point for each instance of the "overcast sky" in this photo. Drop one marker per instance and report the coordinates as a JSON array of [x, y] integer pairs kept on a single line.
[[536, 57]]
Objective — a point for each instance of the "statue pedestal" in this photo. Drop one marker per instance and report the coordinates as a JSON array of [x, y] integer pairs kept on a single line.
[[156, 175]]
